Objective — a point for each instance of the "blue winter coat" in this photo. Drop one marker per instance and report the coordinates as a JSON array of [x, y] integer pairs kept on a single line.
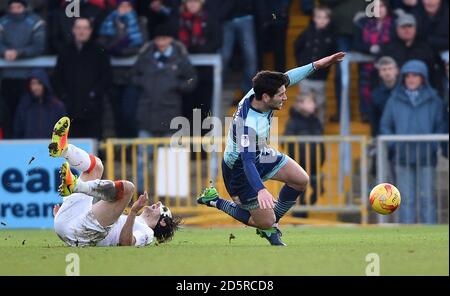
[[402, 117]]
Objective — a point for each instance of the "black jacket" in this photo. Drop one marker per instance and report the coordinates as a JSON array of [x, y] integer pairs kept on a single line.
[[162, 86], [60, 26], [397, 49], [313, 45], [35, 117], [298, 125], [433, 31], [81, 79]]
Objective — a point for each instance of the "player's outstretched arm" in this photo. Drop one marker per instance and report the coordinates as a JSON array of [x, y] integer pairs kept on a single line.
[[329, 60], [298, 74]]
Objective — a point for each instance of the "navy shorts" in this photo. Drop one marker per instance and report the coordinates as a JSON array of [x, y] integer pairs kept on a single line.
[[238, 186]]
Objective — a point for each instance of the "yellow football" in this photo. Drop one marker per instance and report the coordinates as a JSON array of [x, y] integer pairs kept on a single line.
[[385, 198]]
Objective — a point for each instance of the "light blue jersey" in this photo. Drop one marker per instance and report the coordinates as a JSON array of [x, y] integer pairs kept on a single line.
[[250, 129]]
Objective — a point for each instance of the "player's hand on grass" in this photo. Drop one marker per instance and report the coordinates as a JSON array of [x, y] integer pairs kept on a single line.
[[265, 199], [140, 203], [329, 60]]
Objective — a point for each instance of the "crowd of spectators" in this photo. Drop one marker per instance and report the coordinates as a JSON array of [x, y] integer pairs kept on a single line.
[[403, 91]]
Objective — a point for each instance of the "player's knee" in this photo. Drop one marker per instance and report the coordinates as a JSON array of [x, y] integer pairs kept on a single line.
[[128, 188], [300, 183], [98, 169], [304, 180]]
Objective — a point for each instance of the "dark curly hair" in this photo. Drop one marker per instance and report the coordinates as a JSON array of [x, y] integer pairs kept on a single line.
[[165, 234]]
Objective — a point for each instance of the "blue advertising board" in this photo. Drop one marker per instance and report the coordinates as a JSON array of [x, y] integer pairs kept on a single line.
[[29, 180]]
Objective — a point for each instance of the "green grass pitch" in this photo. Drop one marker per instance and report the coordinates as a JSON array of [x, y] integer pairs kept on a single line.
[[405, 250]]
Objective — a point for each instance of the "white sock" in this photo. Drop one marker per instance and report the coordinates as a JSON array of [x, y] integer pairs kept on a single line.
[[77, 158], [103, 189]]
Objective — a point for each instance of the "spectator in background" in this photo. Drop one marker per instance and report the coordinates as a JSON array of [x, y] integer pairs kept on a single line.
[[61, 26], [272, 19], [200, 33], [121, 35], [82, 76], [239, 26], [22, 35], [432, 27], [163, 72], [120, 32], [303, 121], [38, 109], [407, 6], [388, 73], [316, 42], [343, 12], [414, 108], [371, 33], [406, 46], [157, 12], [432, 24]]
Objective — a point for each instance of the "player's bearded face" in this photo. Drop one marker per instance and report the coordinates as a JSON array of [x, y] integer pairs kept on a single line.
[[277, 101]]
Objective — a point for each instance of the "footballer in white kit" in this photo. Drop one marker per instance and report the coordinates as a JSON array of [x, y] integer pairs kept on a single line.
[[92, 210]]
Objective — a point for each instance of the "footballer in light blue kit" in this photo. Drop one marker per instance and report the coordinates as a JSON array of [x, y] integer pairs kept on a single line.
[[249, 160]]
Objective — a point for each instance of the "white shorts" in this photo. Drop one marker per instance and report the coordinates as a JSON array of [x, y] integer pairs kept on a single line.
[[75, 223]]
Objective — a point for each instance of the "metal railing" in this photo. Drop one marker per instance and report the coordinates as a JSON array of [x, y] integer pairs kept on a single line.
[[418, 166], [177, 176]]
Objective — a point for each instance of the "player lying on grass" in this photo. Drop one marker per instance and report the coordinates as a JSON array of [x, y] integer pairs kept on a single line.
[[249, 161], [92, 211]]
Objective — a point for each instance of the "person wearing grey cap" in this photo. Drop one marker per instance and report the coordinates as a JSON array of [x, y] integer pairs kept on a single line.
[[407, 46]]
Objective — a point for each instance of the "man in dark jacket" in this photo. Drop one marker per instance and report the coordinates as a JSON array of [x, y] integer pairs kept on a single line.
[[22, 35], [163, 72], [407, 46], [38, 109], [432, 23], [61, 26], [414, 108], [82, 77]]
